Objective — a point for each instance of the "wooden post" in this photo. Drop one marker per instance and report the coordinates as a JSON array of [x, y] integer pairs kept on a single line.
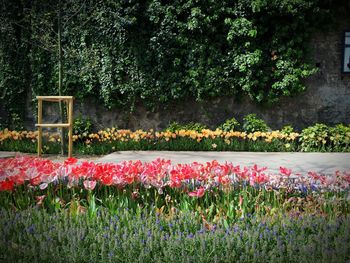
[[40, 129], [68, 100], [70, 121]]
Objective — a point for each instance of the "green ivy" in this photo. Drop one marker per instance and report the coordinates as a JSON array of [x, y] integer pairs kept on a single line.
[[155, 51]]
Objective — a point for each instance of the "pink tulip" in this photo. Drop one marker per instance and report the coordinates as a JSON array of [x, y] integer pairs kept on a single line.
[[89, 185], [285, 171], [198, 193]]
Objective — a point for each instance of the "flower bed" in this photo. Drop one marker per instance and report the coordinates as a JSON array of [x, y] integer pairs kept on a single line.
[[228, 191], [159, 211], [128, 237], [110, 140], [316, 138]]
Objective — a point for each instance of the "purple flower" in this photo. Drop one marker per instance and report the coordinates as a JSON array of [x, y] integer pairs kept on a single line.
[[31, 229]]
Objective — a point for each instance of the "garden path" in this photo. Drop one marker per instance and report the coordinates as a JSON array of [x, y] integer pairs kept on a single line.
[[298, 162]]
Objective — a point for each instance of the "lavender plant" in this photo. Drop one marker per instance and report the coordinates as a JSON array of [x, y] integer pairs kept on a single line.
[[38, 236]]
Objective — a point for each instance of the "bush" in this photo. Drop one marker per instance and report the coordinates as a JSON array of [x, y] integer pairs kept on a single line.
[[251, 123], [193, 126], [340, 138], [16, 122], [315, 138], [82, 126], [230, 125], [287, 129]]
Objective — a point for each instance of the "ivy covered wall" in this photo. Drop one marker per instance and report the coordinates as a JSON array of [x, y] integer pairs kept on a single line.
[[126, 53]]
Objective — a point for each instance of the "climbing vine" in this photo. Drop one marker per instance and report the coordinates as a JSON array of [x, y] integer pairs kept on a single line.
[[156, 51]]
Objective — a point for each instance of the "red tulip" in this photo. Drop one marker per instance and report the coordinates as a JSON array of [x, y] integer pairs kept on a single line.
[[6, 185], [70, 161]]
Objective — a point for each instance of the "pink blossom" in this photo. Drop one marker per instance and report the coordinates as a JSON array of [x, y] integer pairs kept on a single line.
[[198, 193], [285, 171], [89, 185]]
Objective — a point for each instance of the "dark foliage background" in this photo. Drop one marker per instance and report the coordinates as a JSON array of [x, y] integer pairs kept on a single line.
[[127, 51]]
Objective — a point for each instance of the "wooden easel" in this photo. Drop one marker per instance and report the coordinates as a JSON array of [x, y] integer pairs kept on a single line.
[[69, 104]]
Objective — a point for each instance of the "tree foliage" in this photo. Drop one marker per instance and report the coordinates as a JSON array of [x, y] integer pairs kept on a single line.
[[156, 51]]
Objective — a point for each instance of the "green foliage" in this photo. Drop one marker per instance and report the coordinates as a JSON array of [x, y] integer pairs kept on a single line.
[[230, 125], [193, 126], [321, 137], [16, 122], [120, 52], [315, 138], [82, 126], [174, 126], [251, 123], [340, 137], [287, 129]]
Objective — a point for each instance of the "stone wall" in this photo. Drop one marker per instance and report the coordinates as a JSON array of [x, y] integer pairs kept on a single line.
[[326, 100]]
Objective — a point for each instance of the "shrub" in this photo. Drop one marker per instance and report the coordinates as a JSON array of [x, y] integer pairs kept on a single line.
[[16, 122], [340, 138], [82, 126], [193, 126], [230, 125], [315, 138], [251, 123], [287, 129]]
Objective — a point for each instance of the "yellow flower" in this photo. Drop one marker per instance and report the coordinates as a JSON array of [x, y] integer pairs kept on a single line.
[[214, 145], [287, 145]]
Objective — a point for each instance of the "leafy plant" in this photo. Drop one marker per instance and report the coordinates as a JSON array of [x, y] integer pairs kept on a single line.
[[251, 123], [230, 125], [194, 126], [340, 137], [287, 129], [82, 126], [16, 123], [315, 138]]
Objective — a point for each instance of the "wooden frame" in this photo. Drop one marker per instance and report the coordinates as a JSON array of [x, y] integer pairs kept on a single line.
[[69, 104]]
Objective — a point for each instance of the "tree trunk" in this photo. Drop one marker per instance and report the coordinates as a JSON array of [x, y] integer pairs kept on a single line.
[[60, 75]]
